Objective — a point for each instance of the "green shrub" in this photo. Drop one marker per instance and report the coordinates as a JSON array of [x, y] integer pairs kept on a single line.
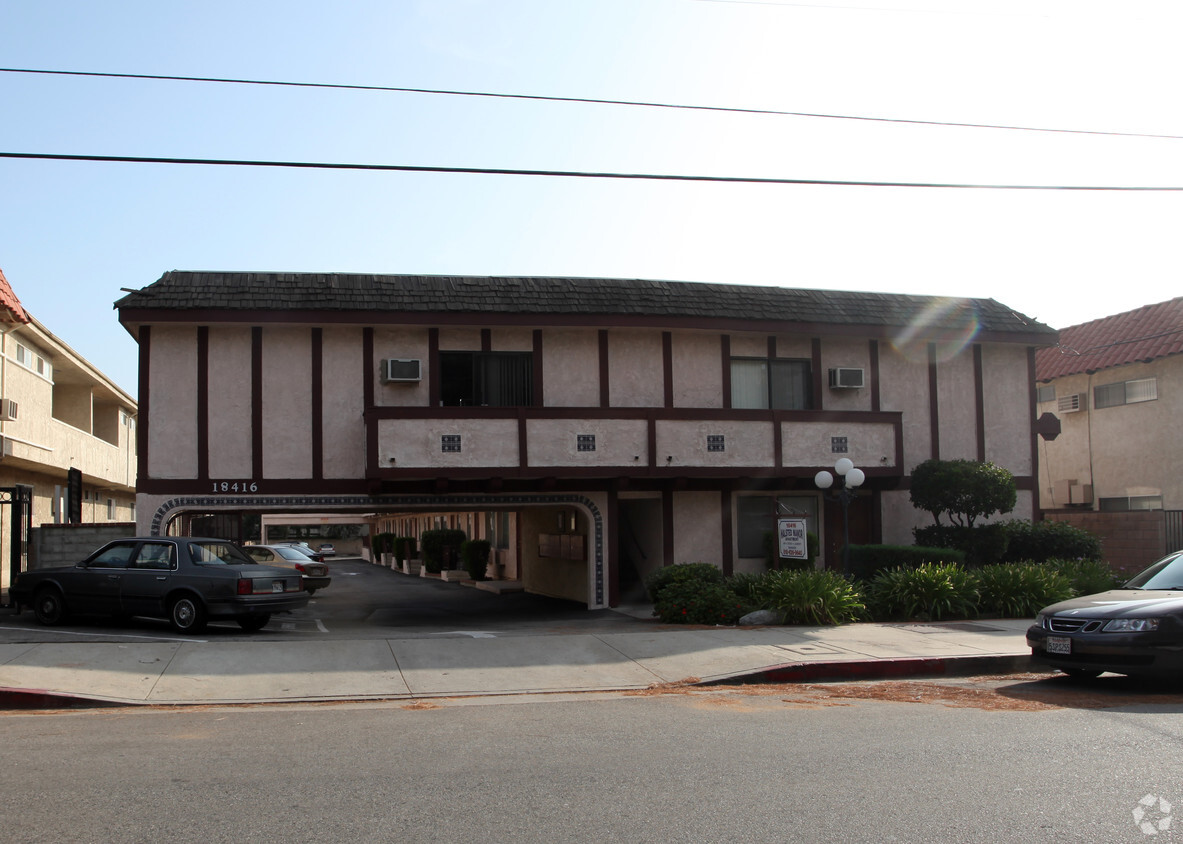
[[1042, 541], [810, 597], [866, 560], [701, 573], [698, 602], [475, 554], [931, 592], [381, 543], [982, 545], [1085, 577], [1019, 590], [964, 490], [439, 548], [749, 587]]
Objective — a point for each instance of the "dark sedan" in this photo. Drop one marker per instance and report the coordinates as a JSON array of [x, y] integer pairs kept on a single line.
[[1137, 629], [186, 580]]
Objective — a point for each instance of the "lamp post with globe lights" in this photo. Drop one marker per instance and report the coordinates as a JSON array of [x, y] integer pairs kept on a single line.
[[851, 478]]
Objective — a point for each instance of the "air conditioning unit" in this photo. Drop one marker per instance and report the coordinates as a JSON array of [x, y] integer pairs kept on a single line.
[[8, 410], [395, 370], [847, 377], [1072, 403]]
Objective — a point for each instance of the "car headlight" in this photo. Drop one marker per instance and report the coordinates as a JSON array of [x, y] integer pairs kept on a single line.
[[1040, 620], [1130, 625]]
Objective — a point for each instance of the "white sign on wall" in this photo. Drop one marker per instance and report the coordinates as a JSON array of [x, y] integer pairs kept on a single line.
[[792, 535]]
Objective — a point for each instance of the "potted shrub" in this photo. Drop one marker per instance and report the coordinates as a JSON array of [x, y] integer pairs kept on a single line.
[[475, 554]]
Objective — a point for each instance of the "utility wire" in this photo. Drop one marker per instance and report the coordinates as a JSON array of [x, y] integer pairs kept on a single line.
[[570, 174], [586, 100]]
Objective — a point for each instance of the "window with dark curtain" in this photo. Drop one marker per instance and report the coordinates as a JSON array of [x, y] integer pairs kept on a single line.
[[488, 379]]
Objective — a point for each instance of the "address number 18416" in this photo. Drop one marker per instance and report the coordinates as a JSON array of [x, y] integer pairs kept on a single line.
[[236, 486]]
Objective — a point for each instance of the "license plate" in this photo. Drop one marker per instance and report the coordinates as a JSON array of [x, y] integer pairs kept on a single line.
[[1058, 645], [277, 586]]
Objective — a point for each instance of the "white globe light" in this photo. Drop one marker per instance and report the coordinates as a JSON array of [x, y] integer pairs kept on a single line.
[[843, 465], [855, 477], [823, 480]]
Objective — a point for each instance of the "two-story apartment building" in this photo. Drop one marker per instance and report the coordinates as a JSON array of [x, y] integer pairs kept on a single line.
[[1116, 384], [57, 413], [593, 429]]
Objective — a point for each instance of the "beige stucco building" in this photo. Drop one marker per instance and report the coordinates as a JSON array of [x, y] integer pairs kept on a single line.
[[592, 429], [57, 413], [1116, 385]]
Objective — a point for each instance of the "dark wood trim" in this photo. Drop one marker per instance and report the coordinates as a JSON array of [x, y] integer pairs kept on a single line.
[[367, 391], [1032, 409], [612, 545], [536, 367], [727, 529], [667, 527], [486, 339], [667, 366], [876, 398], [934, 415], [203, 405], [318, 427], [257, 401], [434, 385], [725, 355], [605, 385], [143, 402], [815, 366], [676, 414], [130, 317], [772, 347], [980, 402], [523, 438]]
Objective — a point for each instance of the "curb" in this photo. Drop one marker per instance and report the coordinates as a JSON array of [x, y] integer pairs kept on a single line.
[[38, 699], [882, 669]]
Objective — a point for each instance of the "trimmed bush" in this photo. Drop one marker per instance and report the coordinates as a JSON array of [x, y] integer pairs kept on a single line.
[[930, 592], [439, 548], [810, 597], [381, 543], [697, 602], [1018, 590], [1086, 577], [699, 573], [867, 560], [475, 554], [982, 545], [1042, 541]]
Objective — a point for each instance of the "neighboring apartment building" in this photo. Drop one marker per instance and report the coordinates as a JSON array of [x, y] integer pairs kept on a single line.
[[57, 413], [592, 429], [1116, 385]]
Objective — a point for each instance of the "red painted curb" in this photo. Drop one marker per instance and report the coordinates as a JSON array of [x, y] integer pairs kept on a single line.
[[40, 699], [880, 669]]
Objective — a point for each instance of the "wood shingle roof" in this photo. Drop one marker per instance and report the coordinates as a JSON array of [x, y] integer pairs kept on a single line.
[[609, 297]]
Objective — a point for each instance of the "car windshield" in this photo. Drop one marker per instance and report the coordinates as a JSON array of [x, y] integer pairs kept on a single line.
[[1167, 573], [290, 554], [217, 554]]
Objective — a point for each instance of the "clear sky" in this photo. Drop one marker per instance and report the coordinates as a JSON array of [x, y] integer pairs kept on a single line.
[[73, 233]]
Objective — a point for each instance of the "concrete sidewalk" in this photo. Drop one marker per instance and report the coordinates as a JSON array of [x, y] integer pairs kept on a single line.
[[52, 675]]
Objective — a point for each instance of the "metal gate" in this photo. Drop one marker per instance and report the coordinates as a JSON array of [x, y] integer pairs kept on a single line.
[[1174, 530], [16, 520]]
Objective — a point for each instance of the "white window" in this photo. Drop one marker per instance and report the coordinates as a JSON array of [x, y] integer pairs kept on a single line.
[[777, 383], [111, 509], [1045, 393], [1125, 392]]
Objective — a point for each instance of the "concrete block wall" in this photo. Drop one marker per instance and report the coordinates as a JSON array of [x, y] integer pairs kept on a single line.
[[61, 545]]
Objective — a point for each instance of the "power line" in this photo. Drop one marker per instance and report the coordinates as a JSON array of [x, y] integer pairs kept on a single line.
[[585, 100], [570, 174]]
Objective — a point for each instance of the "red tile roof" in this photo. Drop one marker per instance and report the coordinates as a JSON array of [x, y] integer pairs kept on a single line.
[[1138, 336], [10, 306]]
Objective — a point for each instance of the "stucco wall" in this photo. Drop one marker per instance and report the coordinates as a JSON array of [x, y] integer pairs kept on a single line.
[[636, 369], [343, 402], [904, 388], [698, 534], [554, 442], [172, 381], [957, 408], [1006, 386], [552, 576], [287, 399], [571, 368], [842, 352], [229, 413], [697, 369]]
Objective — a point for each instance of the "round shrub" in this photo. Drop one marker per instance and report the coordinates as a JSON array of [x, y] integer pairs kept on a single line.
[[701, 573], [475, 554], [930, 592], [811, 597], [697, 602], [1042, 541], [1020, 590]]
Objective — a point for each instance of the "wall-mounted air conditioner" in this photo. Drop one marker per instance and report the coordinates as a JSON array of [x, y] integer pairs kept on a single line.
[[847, 377], [8, 410], [1072, 403], [394, 370]]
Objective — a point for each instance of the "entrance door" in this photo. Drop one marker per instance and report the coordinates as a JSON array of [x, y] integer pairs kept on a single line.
[[860, 524]]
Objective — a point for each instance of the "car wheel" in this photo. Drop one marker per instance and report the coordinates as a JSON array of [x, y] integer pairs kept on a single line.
[[311, 590], [48, 606], [187, 615], [251, 623], [1081, 673]]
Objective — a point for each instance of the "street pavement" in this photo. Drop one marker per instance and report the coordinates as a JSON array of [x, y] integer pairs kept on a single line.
[[506, 644]]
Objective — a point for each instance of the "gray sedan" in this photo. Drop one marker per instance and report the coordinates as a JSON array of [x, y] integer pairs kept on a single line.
[[314, 572]]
